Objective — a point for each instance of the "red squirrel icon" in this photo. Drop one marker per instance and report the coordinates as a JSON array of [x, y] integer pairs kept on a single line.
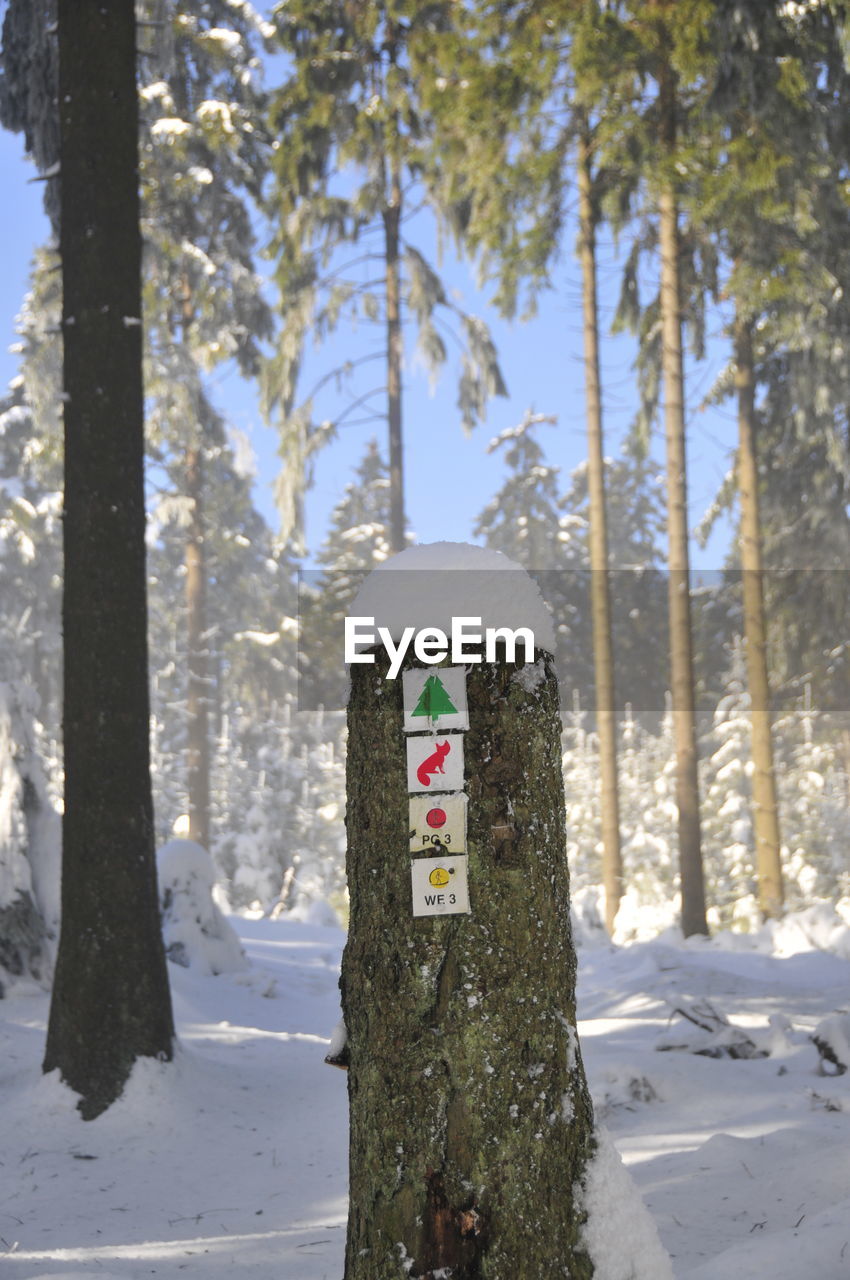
[[433, 764]]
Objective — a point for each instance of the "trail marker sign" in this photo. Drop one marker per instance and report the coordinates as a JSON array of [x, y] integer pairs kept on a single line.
[[437, 824], [434, 698], [435, 763], [440, 886]]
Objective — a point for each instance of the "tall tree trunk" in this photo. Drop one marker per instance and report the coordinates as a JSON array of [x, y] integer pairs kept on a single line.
[[197, 639], [681, 646], [392, 231], [471, 1124], [600, 598], [765, 808], [198, 667], [111, 1002]]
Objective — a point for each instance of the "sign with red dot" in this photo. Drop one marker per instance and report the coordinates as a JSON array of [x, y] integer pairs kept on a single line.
[[438, 824]]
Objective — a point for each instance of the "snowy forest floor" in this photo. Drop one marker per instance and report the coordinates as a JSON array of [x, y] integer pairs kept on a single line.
[[233, 1159]]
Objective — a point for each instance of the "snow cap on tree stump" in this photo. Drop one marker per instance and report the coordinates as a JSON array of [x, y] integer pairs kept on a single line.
[[433, 583], [473, 1150]]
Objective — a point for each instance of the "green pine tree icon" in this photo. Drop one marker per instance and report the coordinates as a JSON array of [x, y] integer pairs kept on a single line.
[[434, 701]]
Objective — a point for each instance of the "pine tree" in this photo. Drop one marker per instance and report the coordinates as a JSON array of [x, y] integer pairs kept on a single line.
[[815, 814], [728, 785], [649, 821], [600, 589], [351, 160], [613, 53], [29, 66], [765, 803], [357, 540], [775, 100], [581, 788], [111, 1001], [679, 598], [30, 522], [801, 315], [752, 184], [645, 145], [29, 846], [250, 655], [510, 172], [635, 523], [526, 520], [319, 831], [204, 154]]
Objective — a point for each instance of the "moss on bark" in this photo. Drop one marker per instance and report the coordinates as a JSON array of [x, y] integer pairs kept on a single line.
[[470, 1118]]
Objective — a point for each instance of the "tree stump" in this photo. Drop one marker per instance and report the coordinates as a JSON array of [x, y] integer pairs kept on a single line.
[[471, 1122]]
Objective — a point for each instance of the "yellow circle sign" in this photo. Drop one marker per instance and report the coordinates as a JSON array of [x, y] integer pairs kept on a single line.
[[438, 877]]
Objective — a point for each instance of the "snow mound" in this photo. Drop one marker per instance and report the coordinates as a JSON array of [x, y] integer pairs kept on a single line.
[[818, 1248], [587, 906], [832, 1039], [816, 928], [639, 921], [195, 932], [428, 585], [619, 1234], [315, 911], [820, 927], [79, 1275]]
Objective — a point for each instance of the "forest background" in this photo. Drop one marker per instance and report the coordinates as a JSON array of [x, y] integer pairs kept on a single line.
[[301, 137]]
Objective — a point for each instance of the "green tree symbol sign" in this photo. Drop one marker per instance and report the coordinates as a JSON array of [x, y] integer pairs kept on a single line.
[[434, 701]]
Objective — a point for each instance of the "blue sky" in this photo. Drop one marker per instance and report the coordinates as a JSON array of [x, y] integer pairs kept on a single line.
[[449, 476]]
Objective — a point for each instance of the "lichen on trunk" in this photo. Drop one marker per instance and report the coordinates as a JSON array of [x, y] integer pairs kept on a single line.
[[471, 1122]]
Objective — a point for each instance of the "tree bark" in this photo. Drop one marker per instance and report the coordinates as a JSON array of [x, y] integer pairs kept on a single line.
[[111, 1002], [765, 807], [681, 645], [470, 1118], [197, 641], [600, 598], [392, 233]]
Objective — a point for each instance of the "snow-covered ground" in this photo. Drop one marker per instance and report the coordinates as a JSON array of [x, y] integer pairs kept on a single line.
[[233, 1158]]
